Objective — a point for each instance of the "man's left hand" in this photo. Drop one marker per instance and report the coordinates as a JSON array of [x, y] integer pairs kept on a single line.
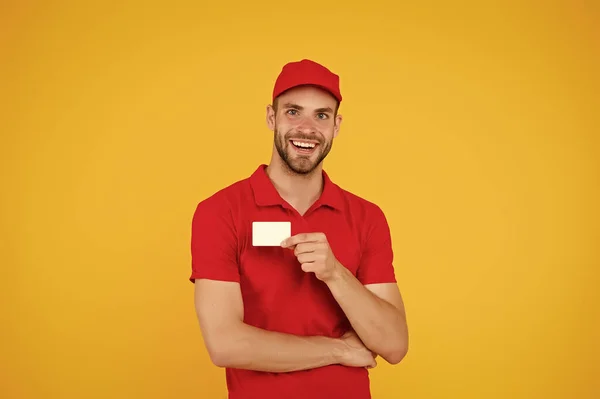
[[314, 254]]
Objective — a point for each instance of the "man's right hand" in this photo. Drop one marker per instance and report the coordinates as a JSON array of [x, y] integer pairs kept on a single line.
[[355, 353]]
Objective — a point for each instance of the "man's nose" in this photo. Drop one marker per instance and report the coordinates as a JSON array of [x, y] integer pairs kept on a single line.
[[306, 125]]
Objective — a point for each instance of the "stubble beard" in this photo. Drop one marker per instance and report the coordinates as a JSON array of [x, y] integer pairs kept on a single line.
[[302, 165]]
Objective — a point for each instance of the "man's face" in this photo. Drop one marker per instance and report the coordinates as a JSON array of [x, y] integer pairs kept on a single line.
[[304, 125]]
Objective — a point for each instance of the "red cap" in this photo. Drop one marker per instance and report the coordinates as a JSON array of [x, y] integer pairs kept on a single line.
[[307, 72]]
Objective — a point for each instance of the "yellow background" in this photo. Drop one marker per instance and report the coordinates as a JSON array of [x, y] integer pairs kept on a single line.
[[474, 126]]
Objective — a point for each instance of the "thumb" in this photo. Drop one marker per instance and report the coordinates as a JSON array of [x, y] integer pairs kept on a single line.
[[373, 364]]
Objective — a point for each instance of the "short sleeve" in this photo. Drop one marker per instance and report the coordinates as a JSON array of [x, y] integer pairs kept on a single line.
[[376, 265], [214, 243]]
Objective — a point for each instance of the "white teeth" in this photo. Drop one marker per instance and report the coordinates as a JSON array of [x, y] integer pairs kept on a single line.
[[303, 144]]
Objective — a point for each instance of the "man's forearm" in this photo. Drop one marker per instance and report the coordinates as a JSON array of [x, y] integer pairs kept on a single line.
[[380, 325], [251, 348]]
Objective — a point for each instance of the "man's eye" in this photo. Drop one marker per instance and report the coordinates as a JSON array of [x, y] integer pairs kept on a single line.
[[322, 116], [292, 112]]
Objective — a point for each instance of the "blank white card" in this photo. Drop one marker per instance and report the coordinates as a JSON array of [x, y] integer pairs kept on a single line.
[[270, 234]]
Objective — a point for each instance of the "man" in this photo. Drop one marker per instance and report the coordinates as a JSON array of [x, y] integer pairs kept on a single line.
[[305, 319]]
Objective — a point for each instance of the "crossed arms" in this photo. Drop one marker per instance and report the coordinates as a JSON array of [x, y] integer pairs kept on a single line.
[[374, 310]]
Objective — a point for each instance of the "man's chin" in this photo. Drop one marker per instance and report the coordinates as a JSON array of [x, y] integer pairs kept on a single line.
[[302, 166]]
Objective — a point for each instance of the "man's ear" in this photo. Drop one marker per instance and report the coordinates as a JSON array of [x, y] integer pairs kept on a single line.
[[270, 117], [336, 126]]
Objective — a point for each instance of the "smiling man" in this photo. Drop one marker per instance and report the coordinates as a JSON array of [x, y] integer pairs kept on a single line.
[[306, 318]]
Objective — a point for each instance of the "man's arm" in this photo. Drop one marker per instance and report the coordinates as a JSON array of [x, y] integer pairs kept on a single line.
[[371, 300], [376, 312], [232, 343]]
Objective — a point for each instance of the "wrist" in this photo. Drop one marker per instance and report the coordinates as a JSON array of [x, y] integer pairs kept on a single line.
[[337, 274], [339, 351]]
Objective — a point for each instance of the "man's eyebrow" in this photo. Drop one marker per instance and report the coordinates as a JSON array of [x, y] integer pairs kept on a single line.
[[300, 108], [294, 106], [326, 109]]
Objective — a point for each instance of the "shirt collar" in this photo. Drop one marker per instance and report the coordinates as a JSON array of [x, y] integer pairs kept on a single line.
[[265, 193]]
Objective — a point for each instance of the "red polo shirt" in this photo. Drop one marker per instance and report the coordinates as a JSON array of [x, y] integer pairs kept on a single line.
[[277, 294]]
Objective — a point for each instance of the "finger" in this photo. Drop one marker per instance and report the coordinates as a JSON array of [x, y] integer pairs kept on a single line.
[[306, 257], [312, 247], [302, 237], [295, 240], [304, 248], [308, 267]]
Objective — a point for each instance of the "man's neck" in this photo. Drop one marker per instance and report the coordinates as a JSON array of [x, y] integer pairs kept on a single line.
[[300, 191]]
